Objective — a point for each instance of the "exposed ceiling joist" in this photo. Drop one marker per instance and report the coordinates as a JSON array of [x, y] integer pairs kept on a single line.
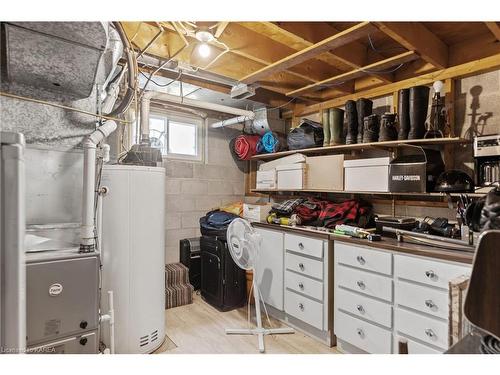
[[494, 28], [463, 70], [356, 73], [414, 36], [310, 52], [220, 28]]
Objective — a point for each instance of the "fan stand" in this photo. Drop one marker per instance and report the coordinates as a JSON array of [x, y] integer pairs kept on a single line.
[[259, 330]]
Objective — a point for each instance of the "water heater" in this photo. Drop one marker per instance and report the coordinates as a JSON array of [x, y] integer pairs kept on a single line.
[[133, 255]]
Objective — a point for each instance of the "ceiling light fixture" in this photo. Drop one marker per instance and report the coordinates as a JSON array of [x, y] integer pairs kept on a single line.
[[204, 50], [204, 35]]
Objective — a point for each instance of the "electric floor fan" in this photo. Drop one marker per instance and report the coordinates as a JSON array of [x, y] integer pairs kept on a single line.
[[244, 246]]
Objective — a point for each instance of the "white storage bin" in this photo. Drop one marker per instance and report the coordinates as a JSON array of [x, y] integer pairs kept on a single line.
[[266, 179], [291, 176], [256, 212], [367, 174]]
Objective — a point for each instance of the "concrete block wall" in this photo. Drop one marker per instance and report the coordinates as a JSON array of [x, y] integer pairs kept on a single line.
[[194, 188]]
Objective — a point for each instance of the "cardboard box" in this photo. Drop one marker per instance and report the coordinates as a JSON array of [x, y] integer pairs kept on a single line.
[[325, 172], [367, 174], [290, 159], [266, 179], [291, 176], [256, 212]]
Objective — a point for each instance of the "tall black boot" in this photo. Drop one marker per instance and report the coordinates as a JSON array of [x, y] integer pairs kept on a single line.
[[363, 108], [371, 128], [419, 101], [404, 113], [352, 122], [388, 131]]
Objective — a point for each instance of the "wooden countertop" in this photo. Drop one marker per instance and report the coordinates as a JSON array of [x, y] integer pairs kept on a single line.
[[387, 243]]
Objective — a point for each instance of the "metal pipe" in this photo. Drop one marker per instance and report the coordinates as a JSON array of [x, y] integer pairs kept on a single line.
[[88, 195], [150, 95]]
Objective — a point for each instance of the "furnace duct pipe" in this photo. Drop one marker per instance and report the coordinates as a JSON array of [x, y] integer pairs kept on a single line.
[[231, 121], [149, 95], [89, 160]]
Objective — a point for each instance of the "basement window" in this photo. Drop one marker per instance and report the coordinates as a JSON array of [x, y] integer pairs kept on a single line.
[[178, 136]]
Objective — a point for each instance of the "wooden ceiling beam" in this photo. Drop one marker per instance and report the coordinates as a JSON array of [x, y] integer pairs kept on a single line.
[[356, 73], [335, 41], [463, 70], [494, 28], [220, 29], [414, 36]]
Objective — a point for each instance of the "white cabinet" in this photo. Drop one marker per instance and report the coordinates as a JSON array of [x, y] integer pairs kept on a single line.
[[270, 267], [382, 296]]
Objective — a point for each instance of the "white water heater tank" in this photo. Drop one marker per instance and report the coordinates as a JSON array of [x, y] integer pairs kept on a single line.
[[133, 256]]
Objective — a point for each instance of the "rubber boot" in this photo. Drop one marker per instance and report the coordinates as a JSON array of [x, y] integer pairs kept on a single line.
[[371, 128], [388, 131], [336, 120], [363, 108], [352, 122], [404, 113], [326, 127], [419, 101]]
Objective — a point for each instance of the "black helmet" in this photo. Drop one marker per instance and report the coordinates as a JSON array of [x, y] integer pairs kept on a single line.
[[454, 181]]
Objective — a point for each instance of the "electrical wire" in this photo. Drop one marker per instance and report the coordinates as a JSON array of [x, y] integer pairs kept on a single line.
[[162, 85], [382, 71], [384, 49]]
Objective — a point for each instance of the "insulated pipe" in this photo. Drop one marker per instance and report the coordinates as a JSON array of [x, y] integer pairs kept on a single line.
[[231, 121], [148, 95], [89, 158]]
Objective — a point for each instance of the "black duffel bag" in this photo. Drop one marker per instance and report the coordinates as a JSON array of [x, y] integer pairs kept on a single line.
[[215, 223], [308, 134]]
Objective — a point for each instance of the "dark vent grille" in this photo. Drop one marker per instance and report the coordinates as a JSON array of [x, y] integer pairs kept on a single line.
[[144, 340], [154, 335]]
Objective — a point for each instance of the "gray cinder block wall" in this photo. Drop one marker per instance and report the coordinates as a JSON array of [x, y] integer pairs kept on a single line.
[[194, 188]]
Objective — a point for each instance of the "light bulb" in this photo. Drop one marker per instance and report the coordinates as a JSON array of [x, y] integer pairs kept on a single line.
[[438, 86], [204, 50]]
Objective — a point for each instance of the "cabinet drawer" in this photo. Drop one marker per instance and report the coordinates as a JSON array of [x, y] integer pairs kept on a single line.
[[304, 245], [363, 258], [415, 347], [365, 307], [364, 282], [426, 329], [366, 336], [429, 300], [303, 265], [427, 271], [305, 309], [305, 285]]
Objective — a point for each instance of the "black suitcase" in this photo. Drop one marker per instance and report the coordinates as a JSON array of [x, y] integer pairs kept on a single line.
[[190, 256], [223, 283]]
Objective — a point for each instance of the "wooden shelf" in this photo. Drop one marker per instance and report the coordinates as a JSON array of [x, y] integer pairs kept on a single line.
[[359, 146], [343, 192]]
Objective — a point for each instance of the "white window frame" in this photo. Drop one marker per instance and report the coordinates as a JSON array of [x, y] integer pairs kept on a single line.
[[182, 118]]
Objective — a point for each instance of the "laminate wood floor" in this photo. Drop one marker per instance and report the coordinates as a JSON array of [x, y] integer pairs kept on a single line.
[[199, 329]]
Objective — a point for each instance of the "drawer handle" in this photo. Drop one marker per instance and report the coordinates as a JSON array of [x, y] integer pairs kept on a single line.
[[360, 332], [301, 266], [301, 306], [430, 333], [360, 260], [301, 246], [361, 284], [430, 274], [360, 309], [301, 286], [430, 304]]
